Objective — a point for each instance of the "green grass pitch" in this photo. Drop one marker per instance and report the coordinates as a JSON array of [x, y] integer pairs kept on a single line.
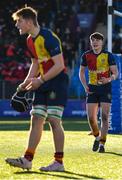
[[80, 162]]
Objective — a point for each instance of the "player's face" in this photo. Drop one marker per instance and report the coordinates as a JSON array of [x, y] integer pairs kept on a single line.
[[96, 44], [23, 25]]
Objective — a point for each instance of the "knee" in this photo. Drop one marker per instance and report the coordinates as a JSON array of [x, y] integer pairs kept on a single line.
[[54, 123], [36, 121]]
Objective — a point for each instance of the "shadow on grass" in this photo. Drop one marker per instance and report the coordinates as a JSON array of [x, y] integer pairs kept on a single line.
[[69, 174], [117, 154], [22, 125]]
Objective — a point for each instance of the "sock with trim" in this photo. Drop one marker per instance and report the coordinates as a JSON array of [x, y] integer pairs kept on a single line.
[[29, 154], [102, 141], [59, 157]]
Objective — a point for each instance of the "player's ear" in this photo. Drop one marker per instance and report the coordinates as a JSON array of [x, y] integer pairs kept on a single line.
[[29, 22]]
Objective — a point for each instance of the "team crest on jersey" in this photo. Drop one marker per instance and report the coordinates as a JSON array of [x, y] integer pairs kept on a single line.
[[52, 95], [103, 61]]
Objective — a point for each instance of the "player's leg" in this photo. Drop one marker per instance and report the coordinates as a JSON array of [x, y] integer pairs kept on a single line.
[[58, 132], [105, 111], [56, 101], [92, 114], [34, 136], [54, 118], [38, 116], [36, 129]]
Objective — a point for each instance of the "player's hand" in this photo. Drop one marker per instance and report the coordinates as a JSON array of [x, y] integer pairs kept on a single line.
[[87, 90], [34, 84], [22, 86], [104, 80]]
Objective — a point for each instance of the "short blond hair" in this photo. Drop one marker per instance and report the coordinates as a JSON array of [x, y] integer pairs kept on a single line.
[[26, 13]]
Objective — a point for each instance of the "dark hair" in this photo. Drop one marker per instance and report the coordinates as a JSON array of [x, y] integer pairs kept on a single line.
[[97, 35], [26, 13]]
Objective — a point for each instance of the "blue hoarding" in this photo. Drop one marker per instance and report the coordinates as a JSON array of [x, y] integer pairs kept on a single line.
[[74, 108]]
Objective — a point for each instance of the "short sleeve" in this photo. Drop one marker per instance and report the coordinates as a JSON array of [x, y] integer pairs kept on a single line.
[[53, 44], [111, 59], [83, 60]]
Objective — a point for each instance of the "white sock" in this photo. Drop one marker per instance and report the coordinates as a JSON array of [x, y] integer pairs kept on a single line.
[[101, 145], [97, 138]]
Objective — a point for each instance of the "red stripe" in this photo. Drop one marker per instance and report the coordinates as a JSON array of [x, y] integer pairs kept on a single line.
[[31, 47]]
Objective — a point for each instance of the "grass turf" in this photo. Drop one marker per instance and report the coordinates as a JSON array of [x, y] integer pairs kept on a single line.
[[80, 162], [69, 124]]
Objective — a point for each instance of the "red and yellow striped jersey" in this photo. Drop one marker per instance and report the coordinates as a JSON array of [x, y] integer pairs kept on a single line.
[[43, 47], [98, 65]]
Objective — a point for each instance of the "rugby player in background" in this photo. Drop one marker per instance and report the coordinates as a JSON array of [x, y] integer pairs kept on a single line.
[[102, 70]]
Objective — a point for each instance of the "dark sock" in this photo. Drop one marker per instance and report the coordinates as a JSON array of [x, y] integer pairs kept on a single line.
[[102, 141], [29, 155], [59, 157]]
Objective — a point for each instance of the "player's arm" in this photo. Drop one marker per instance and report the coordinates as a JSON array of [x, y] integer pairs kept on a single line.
[[114, 75], [33, 72], [53, 46], [113, 67], [54, 71], [83, 78], [56, 68], [114, 72]]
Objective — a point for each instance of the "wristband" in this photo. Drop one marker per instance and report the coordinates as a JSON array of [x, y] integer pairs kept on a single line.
[[110, 79], [113, 77], [41, 80]]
